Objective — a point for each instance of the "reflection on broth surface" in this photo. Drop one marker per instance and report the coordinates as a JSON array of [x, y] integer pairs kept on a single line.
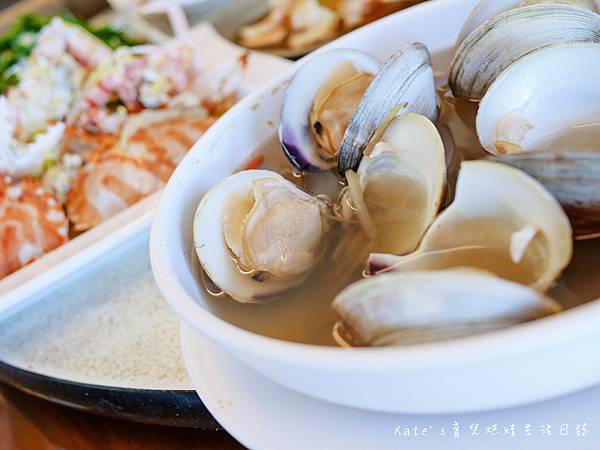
[[304, 314]]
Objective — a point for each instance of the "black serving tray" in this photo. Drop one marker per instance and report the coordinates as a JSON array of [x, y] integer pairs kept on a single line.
[[180, 408]]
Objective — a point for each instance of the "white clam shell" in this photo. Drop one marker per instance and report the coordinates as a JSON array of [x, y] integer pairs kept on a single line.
[[508, 36], [573, 177], [494, 203], [416, 307], [406, 78], [413, 157], [211, 248], [552, 89], [486, 9], [295, 134]]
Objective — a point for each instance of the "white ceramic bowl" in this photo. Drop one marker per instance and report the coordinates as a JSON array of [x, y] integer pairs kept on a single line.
[[522, 364]]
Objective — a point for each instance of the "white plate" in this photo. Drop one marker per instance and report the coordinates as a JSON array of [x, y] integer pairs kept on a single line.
[[264, 415], [105, 342], [31, 282], [108, 326]]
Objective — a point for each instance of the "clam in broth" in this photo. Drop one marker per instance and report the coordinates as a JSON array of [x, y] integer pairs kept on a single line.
[[304, 314], [504, 230]]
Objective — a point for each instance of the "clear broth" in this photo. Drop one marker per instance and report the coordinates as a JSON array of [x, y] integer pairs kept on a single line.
[[305, 315]]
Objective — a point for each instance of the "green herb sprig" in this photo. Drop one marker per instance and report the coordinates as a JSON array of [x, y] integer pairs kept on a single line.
[[20, 39]]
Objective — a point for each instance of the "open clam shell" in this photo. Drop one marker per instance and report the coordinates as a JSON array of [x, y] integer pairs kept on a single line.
[[549, 99], [257, 235], [574, 180], [406, 79], [402, 182], [486, 9], [501, 220], [508, 36], [295, 134], [417, 307]]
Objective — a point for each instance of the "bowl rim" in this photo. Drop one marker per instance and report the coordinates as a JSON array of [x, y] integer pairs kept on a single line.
[[515, 341]]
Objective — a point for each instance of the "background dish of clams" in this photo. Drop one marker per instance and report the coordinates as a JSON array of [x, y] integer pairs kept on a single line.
[[546, 358]]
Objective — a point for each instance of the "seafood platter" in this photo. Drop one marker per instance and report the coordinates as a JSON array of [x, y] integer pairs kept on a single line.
[[292, 28], [424, 220], [94, 120]]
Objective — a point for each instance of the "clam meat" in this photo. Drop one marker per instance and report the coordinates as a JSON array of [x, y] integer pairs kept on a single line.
[[329, 115], [320, 101], [257, 234]]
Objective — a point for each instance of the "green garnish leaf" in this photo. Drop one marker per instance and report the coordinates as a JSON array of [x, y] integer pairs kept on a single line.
[[20, 39]]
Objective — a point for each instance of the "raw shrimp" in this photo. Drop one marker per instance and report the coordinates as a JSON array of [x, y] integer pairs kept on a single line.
[[111, 183], [116, 178], [32, 222], [84, 142], [168, 139]]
